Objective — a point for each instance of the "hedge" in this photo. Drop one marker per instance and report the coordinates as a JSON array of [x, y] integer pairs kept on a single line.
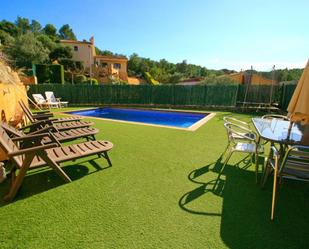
[[172, 95], [49, 73]]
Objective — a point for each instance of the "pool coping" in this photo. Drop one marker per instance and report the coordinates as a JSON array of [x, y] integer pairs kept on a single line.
[[193, 127]]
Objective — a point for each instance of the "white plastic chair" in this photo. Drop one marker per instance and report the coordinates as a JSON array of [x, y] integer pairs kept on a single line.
[[50, 97], [40, 100]]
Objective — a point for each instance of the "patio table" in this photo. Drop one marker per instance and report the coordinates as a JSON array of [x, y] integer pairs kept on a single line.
[[277, 131], [282, 132]]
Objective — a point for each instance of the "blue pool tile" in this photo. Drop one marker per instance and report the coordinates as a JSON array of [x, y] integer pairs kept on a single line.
[[165, 118]]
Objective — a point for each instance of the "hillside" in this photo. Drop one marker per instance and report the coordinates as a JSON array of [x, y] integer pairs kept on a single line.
[[26, 42]]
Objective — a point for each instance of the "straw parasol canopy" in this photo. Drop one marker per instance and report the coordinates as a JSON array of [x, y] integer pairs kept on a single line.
[[299, 105]]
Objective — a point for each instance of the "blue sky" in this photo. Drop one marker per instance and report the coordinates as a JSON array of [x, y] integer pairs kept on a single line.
[[216, 34]]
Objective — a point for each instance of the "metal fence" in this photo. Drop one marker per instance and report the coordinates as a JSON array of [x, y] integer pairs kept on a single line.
[[172, 95]]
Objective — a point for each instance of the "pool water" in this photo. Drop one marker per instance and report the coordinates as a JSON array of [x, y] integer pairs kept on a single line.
[[165, 118]]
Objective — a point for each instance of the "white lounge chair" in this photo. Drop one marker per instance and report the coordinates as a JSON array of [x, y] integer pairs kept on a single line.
[[40, 100], [50, 97]]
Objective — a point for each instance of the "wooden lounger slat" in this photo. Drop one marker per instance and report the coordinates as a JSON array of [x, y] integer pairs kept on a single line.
[[81, 147], [70, 125], [59, 152], [94, 144], [67, 150], [90, 146], [102, 143], [63, 151]]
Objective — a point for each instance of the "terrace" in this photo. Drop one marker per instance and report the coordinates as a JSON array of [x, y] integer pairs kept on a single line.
[[159, 193]]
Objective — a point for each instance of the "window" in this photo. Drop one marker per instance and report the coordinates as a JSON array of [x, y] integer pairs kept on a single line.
[[117, 66], [75, 48], [103, 64]]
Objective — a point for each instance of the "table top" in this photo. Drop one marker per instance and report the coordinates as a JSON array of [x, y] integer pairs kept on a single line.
[[277, 130]]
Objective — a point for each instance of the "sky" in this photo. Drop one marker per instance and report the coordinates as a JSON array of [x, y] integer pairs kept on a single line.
[[217, 34]]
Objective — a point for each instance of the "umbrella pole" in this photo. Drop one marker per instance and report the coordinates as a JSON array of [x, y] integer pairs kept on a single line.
[[248, 82], [272, 87]]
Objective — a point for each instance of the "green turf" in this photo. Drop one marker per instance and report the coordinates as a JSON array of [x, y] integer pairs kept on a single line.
[[158, 194]]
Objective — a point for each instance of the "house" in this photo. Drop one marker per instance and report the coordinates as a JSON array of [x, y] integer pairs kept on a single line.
[[83, 51], [101, 67], [106, 66], [244, 78]]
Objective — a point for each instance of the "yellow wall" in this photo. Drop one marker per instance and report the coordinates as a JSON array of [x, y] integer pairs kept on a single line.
[[99, 71], [10, 95], [85, 53], [259, 80], [255, 79], [9, 107], [239, 77]]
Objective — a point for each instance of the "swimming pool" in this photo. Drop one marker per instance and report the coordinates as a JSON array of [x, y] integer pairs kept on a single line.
[[184, 120]]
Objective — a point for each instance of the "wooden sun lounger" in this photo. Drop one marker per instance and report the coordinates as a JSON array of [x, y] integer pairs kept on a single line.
[[58, 123], [38, 155], [44, 115], [61, 136], [59, 126]]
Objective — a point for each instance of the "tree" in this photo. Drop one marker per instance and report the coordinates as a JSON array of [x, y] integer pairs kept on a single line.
[[23, 25], [215, 80], [27, 50], [175, 78], [6, 38], [182, 67], [9, 28], [35, 27], [47, 42], [51, 31], [61, 52], [133, 65], [66, 33], [103, 52], [204, 72]]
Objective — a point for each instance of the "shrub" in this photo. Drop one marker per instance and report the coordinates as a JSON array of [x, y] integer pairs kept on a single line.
[[223, 80], [49, 73], [42, 73], [80, 78], [92, 81], [5, 38], [56, 73]]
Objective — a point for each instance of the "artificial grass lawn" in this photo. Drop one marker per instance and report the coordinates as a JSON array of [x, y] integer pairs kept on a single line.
[[158, 194]]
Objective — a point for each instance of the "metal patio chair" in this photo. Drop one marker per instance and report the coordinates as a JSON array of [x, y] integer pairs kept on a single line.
[[242, 140], [241, 134], [293, 165], [232, 120]]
